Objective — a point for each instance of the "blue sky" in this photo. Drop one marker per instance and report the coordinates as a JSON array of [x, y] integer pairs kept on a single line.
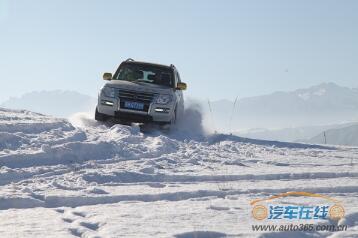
[[222, 49]]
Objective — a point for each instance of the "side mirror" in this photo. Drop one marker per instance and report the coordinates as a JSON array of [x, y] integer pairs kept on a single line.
[[181, 86], [107, 76]]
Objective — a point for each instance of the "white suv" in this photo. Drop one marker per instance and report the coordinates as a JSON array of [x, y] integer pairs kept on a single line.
[[142, 92]]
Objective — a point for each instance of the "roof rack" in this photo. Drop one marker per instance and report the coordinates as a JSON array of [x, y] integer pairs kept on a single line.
[[129, 59]]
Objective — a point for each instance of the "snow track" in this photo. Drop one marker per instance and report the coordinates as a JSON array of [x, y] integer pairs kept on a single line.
[[93, 180]]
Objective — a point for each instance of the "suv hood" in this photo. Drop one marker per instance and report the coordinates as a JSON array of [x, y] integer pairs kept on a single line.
[[139, 86]]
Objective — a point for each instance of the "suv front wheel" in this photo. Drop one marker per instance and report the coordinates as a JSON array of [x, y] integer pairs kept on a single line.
[[99, 116], [171, 124]]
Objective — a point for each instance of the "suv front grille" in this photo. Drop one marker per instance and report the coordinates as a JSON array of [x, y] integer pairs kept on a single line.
[[134, 96]]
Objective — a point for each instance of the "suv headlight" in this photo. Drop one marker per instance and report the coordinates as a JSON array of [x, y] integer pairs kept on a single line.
[[109, 92], [163, 99]]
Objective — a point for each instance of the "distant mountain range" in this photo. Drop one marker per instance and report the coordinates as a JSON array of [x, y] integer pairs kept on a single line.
[[323, 104], [56, 103], [338, 136]]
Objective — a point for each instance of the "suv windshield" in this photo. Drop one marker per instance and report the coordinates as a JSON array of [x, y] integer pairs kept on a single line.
[[145, 73]]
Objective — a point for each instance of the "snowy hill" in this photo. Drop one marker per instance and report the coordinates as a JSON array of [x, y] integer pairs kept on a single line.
[[322, 104], [339, 136], [84, 179], [293, 134], [56, 103]]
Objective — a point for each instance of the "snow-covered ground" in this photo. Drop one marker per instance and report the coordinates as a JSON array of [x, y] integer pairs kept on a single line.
[[84, 179]]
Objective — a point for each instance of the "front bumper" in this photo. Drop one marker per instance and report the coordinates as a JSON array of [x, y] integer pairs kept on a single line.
[[155, 112], [133, 117]]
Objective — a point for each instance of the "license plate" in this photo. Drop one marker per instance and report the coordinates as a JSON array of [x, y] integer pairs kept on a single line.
[[134, 105]]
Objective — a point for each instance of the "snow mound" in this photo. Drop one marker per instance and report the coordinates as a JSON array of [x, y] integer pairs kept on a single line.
[[45, 140]]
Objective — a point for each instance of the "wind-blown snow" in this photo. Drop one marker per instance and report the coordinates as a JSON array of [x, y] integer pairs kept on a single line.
[[86, 179]]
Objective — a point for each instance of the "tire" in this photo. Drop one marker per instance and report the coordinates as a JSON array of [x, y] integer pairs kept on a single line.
[[168, 126], [173, 121], [99, 116], [180, 113]]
